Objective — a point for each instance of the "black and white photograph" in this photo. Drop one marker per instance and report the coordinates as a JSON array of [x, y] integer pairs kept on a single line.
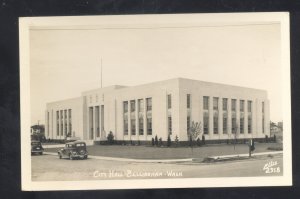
[[155, 101]]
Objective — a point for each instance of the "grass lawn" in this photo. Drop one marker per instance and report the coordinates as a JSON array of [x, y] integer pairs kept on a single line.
[[149, 152]]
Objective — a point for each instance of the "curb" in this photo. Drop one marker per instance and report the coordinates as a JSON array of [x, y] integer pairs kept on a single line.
[[228, 157], [213, 158], [132, 160]]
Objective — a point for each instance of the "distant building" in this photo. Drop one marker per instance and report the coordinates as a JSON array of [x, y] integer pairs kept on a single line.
[[161, 108]]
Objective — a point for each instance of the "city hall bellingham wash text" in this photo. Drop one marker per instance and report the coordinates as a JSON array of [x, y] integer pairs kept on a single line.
[[161, 108]]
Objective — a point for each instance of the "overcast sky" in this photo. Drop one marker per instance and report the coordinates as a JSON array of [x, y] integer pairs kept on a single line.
[[63, 63]]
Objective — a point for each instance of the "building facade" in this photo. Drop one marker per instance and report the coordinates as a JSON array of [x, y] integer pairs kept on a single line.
[[161, 108]]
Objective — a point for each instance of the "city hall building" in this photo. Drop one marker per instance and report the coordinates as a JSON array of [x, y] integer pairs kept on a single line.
[[161, 108]]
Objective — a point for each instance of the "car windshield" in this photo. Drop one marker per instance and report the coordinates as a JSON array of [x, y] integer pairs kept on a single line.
[[80, 145], [35, 144]]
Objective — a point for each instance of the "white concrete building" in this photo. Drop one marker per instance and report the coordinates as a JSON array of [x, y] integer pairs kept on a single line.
[[161, 108]]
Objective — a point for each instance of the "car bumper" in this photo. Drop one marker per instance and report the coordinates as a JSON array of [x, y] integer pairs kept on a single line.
[[79, 156], [37, 151]]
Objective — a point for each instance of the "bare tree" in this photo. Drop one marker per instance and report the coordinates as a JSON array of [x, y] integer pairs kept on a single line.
[[194, 132]]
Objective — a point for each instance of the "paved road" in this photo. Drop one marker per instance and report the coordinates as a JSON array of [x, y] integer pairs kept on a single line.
[[49, 167]]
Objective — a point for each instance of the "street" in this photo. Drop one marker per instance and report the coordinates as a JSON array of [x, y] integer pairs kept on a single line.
[[51, 168]]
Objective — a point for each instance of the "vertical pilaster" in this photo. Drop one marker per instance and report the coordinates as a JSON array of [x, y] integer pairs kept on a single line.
[[229, 116], [67, 122], [220, 116], [267, 117], [246, 117], [94, 123], [145, 117], [238, 112], [137, 128], [211, 117], [129, 119], [198, 110]]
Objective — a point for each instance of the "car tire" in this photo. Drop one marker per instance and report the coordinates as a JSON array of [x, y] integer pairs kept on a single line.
[[59, 155], [41, 153], [85, 157]]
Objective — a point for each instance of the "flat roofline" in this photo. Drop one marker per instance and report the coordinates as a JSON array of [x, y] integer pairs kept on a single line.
[[192, 80]]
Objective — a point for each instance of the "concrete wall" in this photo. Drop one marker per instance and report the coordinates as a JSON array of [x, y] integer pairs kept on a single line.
[[112, 98], [75, 105]]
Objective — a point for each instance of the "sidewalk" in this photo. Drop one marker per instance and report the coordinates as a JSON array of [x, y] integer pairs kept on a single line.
[[236, 156], [214, 158]]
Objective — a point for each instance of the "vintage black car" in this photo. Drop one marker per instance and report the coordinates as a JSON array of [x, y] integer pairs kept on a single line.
[[73, 150], [36, 147]]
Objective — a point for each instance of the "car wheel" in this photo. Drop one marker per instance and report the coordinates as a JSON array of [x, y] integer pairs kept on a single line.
[[59, 156], [41, 153], [85, 157]]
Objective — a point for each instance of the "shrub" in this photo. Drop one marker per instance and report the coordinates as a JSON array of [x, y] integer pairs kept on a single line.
[[176, 141], [156, 141], [198, 142], [110, 138], [169, 141], [190, 141], [152, 142], [160, 141], [203, 139]]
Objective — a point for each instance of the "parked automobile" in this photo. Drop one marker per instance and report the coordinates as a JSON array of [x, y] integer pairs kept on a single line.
[[36, 147], [73, 150]]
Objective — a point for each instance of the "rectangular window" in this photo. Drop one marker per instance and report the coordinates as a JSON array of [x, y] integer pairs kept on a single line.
[[249, 106], [205, 123], [125, 126], [70, 121], [224, 104], [125, 107], [215, 103], [57, 123], [97, 117], [141, 105], [61, 123], [149, 126], [216, 125], [188, 124], [233, 125], [205, 102], [233, 105], [169, 101], [66, 126], [188, 101], [149, 104], [242, 125], [224, 125], [141, 126], [170, 125], [132, 105], [263, 117], [133, 126], [242, 105], [48, 123], [249, 124]]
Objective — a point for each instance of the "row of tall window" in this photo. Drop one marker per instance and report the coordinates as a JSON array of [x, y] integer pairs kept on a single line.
[[63, 122], [235, 125], [137, 114], [96, 121]]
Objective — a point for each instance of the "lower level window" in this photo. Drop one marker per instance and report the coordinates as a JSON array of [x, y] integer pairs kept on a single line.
[[149, 126]]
